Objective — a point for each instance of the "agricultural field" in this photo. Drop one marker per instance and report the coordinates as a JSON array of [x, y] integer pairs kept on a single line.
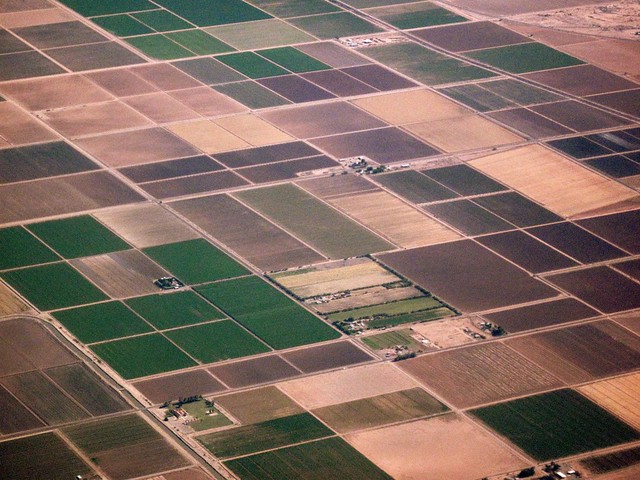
[[172, 387], [614, 461], [21, 249], [327, 357], [384, 342], [618, 395], [259, 405], [255, 371], [575, 424]]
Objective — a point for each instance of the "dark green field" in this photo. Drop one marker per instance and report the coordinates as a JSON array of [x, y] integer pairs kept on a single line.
[[252, 65], [179, 309], [78, 237], [40, 456], [329, 458], [216, 341], [53, 286], [90, 8], [525, 57], [333, 25], [264, 436], [160, 47], [293, 59], [122, 25], [269, 314], [141, 356], [199, 42], [18, 248], [103, 321], [196, 261], [415, 15], [205, 13], [252, 95], [556, 424]]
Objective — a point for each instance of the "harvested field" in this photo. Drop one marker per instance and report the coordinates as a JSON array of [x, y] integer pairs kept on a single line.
[[463, 180], [578, 116], [146, 225], [179, 309], [207, 102], [196, 261], [619, 396], [259, 405], [135, 273], [614, 462], [450, 332], [600, 287], [347, 385], [247, 233], [380, 410], [394, 219], [207, 182], [278, 432], [431, 449], [598, 350], [286, 170], [68, 194], [467, 276], [325, 357], [329, 187], [313, 221], [10, 303], [161, 108], [469, 132], [415, 187], [622, 229], [125, 446], [53, 286], [179, 385], [253, 130], [479, 374], [17, 418], [295, 88], [338, 83], [593, 80], [580, 424], [140, 356], [543, 176], [335, 277], [253, 372], [41, 456], [530, 123], [541, 315], [414, 106], [87, 389], [467, 217], [309, 461], [250, 157], [78, 237], [208, 137], [517, 209], [102, 321], [44, 398], [267, 313]]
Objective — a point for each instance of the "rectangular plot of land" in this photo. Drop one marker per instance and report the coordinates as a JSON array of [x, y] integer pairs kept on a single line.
[[471, 36], [286, 170], [18, 127], [17, 417], [421, 14], [580, 424], [261, 34], [468, 217], [21, 65], [208, 137], [20, 249], [253, 130], [180, 385], [171, 169], [252, 94], [121, 274], [253, 372], [464, 180], [582, 80], [259, 405], [315, 222], [541, 315], [622, 229], [394, 219], [578, 116], [274, 153], [247, 233], [619, 396], [206, 182], [543, 176], [517, 209], [161, 108], [334, 25], [9, 302], [296, 89], [479, 374], [530, 123], [525, 57], [325, 357], [332, 53], [598, 349], [467, 276], [330, 187], [380, 410], [339, 83], [415, 187]]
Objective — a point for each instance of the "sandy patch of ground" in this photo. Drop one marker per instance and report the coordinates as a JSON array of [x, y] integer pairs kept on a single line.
[[620, 56], [450, 332], [447, 446]]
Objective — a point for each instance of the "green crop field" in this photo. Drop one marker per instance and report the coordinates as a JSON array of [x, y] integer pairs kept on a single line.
[[199, 42], [102, 321], [295, 8], [205, 13], [78, 237], [161, 20], [53, 286], [216, 341], [205, 421], [526, 57], [90, 8], [556, 424], [328, 458], [40, 456], [389, 309], [422, 316], [380, 410], [179, 309], [18, 248], [160, 47], [252, 65], [264, 436], [269, 314], [391, 339], [196, 261], [122, 25], [141, 356], [252, 94], [334, 25], [313, 221], [293, 59], [416, 15]]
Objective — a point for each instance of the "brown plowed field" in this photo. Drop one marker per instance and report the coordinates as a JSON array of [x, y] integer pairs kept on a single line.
[[620, 396], [252, 372], [172, 387], [259, 405]]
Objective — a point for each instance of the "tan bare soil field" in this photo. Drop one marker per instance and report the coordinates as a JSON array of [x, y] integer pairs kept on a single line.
[[9, 302], [620, 56], [554, 181], [121, 274], [28, 18], [463, 133], [335, 277], [397, 221], [367, 296], [259, 405], [208, 137], [188, 474], [253, 130], [411, 107], [207, 102], [17, 127], [630, 320], [445, 447], [620, 396], [479, 374], [450, 332], [330, 187], [146, 225], [347, 385]]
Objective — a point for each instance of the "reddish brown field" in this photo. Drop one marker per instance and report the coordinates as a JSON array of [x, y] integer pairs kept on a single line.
[[172, 387], [253, 372], [479, 374], [325, 357]]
